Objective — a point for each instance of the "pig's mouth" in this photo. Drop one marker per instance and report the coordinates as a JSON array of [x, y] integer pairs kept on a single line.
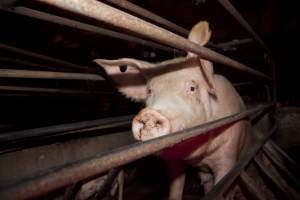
[[149, 124]]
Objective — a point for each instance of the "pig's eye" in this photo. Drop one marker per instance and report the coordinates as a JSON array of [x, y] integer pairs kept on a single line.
[[123, 68], [149, 92], [191, 87]]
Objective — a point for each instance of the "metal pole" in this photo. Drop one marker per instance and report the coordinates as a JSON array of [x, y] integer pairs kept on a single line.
[[149, 15], [16, 136], [42, 57], [115, 17], [221, 187], [29, 64], [49, 90], [74, 172], [231, 9], [86, 27], [15, 73]]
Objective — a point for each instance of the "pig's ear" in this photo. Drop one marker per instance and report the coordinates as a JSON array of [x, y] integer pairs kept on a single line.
[[127, 75], [207, 70], [200, 34]]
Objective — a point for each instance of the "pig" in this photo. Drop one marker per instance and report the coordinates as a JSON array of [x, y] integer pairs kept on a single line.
[[181, 93]]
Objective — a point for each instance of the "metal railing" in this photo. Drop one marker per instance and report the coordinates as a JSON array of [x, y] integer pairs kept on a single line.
[[87, 168], [81, 170]]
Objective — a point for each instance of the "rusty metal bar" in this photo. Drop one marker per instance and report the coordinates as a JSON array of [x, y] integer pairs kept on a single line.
[[226, 182], [284, 155], [69, 174], [274, 176], [16, 136], [226, 46], [275, 159], [16, 73], [29, 64], [233, 11], [49, 90], [243, 84], [87, 27], [149, 15], [42, 57], [251, 186], [115, 17]]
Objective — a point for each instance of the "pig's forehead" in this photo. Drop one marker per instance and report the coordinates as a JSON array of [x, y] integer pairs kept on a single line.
[[176, 76]]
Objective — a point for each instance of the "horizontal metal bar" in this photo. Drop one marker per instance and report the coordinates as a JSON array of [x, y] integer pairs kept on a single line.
[[42, 57], [87, 27], [233, 11], [16, 136], [243, 84], [69, 174], [49, 90], [222, 186], [115, 17], [16, 73], [149, 15], [225, 46], [29, 64]]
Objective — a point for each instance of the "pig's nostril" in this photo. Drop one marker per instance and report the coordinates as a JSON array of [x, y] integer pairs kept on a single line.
[[158, 123], [123, 68], [142, 122]]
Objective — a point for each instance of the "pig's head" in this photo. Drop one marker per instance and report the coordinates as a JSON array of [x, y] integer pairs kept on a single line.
[[176, 92]]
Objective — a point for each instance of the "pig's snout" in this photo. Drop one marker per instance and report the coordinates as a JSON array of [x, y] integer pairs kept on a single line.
[[150, 124]]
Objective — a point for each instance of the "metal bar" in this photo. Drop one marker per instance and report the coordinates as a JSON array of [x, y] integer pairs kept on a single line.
[[49, 90], [149, 15], [243, 84], [225, 46], [42, 57], [226, 182], [86, 27], [284, 155], [273, 175], [231, 9], [111, 177], [28, 64], [15, 136], [16, 73], [115, 17], [68, 174], [273, 156], [251, 186]]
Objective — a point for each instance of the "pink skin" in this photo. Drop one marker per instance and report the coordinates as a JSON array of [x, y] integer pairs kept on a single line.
[[184, 93]]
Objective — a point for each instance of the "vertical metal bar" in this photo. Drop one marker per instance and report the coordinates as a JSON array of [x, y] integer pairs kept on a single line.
[[233, 11], [149, 15], [251, 186], [226, 182], [273, 156], [274, 146], [273, 175], [108, 14]]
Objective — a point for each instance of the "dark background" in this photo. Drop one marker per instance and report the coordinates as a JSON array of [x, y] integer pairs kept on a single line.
[[277, 22]]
